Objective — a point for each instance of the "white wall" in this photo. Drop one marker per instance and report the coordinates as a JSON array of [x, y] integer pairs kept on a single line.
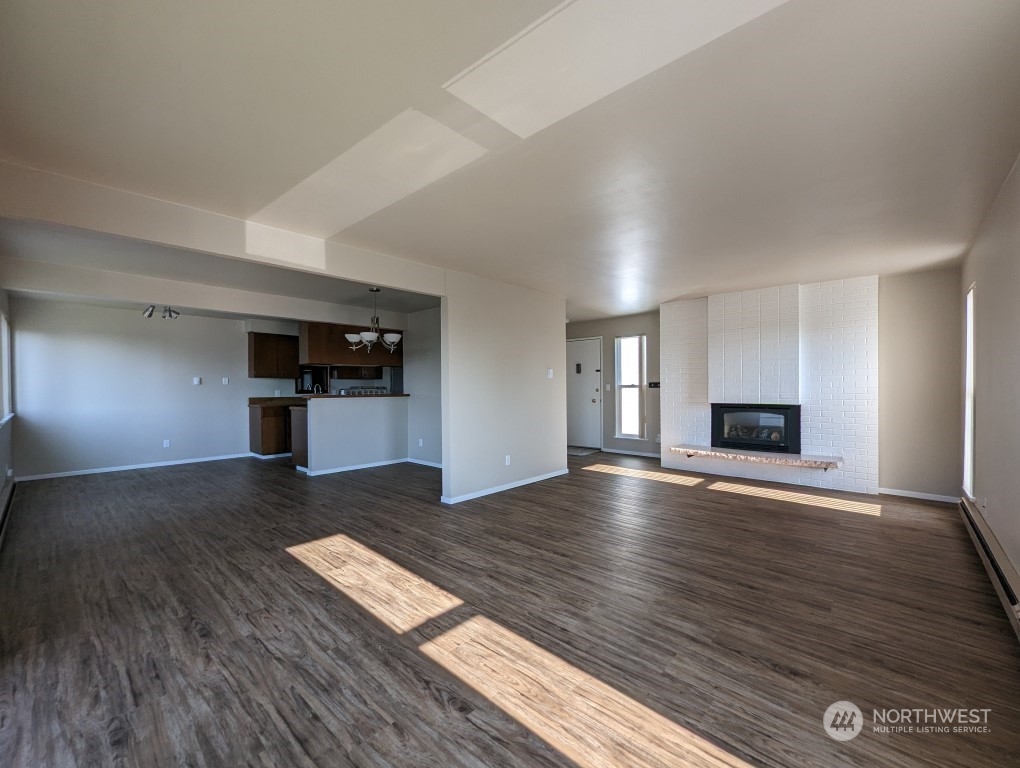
[[498, 342], [98, 387], [921, 383], [753, 346], [609, 329], [993, 267], [423, 380], [838, 338]]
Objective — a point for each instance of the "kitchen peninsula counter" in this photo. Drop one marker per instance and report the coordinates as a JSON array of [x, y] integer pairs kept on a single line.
[[363, 431], [346, 397]]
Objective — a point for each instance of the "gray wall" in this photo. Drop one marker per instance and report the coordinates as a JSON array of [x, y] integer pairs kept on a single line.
[[499, 342], [631, 325], [921, 382], [423, 380], [97, 387], [993, 267]]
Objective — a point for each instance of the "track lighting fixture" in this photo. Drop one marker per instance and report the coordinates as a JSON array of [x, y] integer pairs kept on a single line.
[[169, 313]]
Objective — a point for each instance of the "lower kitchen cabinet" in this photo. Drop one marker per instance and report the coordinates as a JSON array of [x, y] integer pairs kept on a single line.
[[269, 429], [299, 435]]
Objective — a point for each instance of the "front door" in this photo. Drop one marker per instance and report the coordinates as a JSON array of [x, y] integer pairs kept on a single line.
[[584, 393]]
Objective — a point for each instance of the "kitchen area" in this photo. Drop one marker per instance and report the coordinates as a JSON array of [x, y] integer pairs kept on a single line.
[[349, 409]]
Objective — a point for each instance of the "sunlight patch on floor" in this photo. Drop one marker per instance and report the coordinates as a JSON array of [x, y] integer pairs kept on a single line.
[[662, 477], [589, 722], [397, 597], [808, 499]]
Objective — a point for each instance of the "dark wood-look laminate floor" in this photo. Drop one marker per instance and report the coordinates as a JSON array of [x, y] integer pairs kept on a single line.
[[237, 613]]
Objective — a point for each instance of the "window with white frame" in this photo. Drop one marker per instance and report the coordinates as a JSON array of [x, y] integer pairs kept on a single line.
[[630, 386], [968, 403], [5, 366]]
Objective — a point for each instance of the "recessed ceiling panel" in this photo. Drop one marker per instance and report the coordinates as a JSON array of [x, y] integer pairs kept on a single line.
[[409, 152], [587, 49]]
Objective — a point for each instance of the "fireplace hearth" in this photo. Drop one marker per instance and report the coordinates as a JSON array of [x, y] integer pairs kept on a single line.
[[756, 427]]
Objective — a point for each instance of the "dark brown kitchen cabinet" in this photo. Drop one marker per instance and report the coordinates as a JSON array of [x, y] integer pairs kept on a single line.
[[299, 435], [320, 343], [326, 344], [356, 372], [272, 356], [268, 429]]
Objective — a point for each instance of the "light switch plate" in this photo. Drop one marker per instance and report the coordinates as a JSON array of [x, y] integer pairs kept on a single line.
[[196, 380]]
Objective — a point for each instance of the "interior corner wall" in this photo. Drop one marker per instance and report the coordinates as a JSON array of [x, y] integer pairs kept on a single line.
[[631, 325], [97, 387], [920, 389], [993, 268], [423, 379], [499, 341]]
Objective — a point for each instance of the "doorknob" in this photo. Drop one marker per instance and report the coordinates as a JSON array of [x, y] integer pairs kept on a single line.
[[593, 399]]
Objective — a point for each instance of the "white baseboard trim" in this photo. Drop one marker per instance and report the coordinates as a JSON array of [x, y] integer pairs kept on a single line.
[[633, 453], [922, 496], [425, 463], [271, 455], [126, 467], [333, 471], [498, 488]]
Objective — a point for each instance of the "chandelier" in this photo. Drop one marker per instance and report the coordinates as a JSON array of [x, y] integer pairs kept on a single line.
[[367, 338]]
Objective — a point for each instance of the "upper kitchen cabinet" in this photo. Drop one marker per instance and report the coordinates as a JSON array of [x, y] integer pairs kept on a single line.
[[320, 343], [272, 356], [325, 344]]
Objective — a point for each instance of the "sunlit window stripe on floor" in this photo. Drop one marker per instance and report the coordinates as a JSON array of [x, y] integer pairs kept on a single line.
[[809, 499], [588, 721], [397, 597], [662, 477]]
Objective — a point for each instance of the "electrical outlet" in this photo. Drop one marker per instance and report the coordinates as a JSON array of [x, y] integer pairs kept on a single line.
[[196, 380], [166, 443], [658, 438], [277, 392], [984, 503], [549, 373], [226, 381], [508, 459], [421, 442]]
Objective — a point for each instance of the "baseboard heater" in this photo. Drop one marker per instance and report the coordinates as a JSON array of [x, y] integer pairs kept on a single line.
[[6, 495], [991, 555]]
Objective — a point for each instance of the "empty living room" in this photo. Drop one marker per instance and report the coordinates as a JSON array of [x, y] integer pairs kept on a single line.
[[589, 383]]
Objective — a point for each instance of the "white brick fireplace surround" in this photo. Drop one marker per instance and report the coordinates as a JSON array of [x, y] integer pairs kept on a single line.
[[814, 344]]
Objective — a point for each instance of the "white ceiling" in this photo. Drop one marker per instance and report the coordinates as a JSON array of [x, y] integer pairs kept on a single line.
[[762, 143]]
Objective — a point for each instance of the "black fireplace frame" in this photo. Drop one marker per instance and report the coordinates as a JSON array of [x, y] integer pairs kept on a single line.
[[791, 428]]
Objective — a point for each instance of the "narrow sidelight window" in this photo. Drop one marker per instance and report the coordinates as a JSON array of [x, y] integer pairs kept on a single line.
[[968, 403], [630, 384]]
